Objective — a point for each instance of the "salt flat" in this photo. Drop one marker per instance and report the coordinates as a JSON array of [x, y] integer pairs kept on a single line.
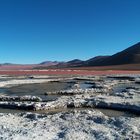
[[75, 113]]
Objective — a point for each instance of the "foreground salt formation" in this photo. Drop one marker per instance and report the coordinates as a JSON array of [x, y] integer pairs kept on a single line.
[[87, 123], [27, 80], [97, 97], [75, 125]]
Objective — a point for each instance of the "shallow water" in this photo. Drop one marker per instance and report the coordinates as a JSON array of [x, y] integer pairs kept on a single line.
[[5, 110], [121, 87], [40, 89], [107, 112], [82, 83], [36, 89], [85, 85]]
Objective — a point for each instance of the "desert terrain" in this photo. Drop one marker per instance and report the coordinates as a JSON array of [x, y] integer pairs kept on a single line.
[[84, 100], [61, 104], [69, 70]]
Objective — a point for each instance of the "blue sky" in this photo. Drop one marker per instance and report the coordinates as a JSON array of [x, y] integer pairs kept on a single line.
[[32, 31]]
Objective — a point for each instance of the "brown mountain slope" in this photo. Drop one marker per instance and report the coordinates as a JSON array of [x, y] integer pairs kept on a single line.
[[127, 57], [130, 55]]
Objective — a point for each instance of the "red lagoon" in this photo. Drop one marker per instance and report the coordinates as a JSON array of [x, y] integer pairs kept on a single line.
[[65, 72]]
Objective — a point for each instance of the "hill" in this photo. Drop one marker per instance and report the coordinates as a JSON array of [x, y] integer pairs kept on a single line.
[[130, 55]]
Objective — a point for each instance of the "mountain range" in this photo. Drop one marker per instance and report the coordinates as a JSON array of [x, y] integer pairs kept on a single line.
[[127, 57], [130, 55]]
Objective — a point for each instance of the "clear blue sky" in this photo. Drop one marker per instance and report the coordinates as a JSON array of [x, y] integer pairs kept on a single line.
[[32, 31]]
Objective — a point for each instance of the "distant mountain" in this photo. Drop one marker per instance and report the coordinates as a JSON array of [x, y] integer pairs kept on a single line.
[[75, 62], [96, 60], [72, 63], [128, 58], [7, 64], [10, 66], [130, 55], [49, 63]]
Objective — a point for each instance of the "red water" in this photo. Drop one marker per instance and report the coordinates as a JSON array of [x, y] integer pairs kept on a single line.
[[64, 72]]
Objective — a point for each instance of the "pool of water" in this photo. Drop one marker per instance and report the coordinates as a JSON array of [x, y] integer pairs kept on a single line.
[[121, 87], [42, 88], [36, 90], [85, 85], [107, 112]]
